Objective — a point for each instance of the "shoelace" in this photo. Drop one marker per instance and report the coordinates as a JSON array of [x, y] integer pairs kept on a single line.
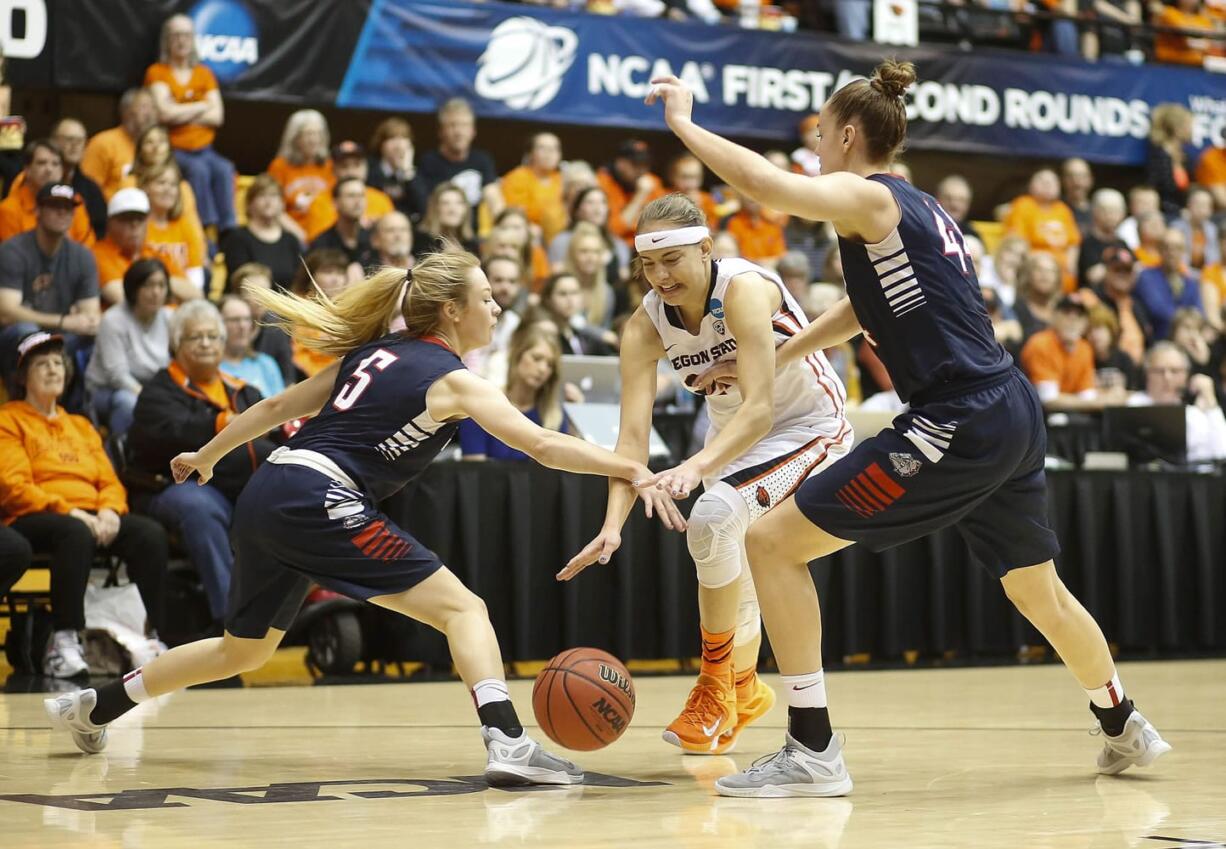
[[760, 765], [702, 706]]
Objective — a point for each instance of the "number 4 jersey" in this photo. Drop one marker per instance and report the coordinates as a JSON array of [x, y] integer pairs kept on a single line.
[[375, 426]]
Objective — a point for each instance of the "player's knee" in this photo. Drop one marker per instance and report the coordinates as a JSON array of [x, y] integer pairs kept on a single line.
[[1043, 602], [717, 526], [246, 655]]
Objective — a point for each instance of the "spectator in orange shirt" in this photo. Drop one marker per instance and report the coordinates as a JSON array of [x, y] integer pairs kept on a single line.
[[1211, 171], [69, 136], [685, 176], [1047, 223], [176, 236], [126, 226], [1060, 362], [44, 165], [187, 99], [1151, 229], [62, 494], [761, 240], [1182, 49], [153, 151], [109, 153], [302, 166], [348, 163], [536, 186], [629, 185]]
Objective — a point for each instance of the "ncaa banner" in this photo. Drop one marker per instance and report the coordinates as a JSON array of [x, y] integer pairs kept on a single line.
[[560, 67]]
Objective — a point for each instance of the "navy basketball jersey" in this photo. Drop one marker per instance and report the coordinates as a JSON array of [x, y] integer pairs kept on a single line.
[[916, 294], [375, 427]]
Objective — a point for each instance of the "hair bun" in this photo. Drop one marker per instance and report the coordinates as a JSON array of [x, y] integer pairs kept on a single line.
[[892, 78]]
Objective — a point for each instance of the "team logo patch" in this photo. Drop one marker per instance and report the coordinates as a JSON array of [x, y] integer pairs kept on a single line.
[[905, 464], [719, 327], [763, 497], [716, 308]]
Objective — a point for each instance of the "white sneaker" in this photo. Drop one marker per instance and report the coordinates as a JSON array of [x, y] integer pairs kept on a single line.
[[63, 658], [794, 770], [1139, 744], [70, 712], [521, 760]]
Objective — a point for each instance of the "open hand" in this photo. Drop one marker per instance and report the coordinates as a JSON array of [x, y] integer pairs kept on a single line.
[[598, 550]]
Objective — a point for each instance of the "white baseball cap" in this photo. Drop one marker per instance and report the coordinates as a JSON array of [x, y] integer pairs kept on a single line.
[[126, 201]]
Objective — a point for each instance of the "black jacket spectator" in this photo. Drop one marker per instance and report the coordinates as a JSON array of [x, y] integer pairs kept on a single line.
[[172, 416]]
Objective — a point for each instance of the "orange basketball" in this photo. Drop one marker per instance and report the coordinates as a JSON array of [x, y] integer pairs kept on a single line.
[[583, 699]]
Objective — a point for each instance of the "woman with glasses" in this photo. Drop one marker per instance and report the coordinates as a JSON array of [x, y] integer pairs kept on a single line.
[[240, 359], [181, 407]]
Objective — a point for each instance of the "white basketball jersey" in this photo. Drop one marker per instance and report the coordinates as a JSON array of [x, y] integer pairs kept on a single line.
[[809, 397]]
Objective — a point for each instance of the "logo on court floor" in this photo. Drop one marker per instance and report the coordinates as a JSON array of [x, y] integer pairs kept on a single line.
[[524, 62], [299, 791], [905, 464]]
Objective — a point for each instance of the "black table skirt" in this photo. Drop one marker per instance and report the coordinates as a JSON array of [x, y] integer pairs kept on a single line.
[[1145, 552]]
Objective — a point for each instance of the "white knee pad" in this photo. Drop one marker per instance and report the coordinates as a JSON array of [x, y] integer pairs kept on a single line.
[[748, 615], [716, 536]]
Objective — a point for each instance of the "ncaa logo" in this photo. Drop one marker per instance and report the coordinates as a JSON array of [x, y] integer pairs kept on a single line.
[[524, 63], [227, 38], [716, 308]]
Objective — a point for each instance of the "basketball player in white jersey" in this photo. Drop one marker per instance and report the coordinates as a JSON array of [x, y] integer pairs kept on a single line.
[[701, 311]]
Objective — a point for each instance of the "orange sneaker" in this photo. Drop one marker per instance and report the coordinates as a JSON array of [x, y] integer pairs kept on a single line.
[[709, 711], [754, 708]]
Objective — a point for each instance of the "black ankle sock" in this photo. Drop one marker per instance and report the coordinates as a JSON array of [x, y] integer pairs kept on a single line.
[[1113, 719], [113, 702], [810, 727], [501, 715]]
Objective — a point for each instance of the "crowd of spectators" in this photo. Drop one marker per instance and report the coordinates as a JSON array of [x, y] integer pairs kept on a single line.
[[128, 332]]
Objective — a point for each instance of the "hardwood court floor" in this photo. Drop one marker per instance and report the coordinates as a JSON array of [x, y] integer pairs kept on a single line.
[[941, 758]]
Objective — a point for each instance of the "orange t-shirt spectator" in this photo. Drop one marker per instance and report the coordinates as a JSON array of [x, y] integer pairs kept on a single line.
[[302, 166], [1047, 223], [109, 154], [1211, 171], [536, 186], [1059, 361], [629, 185], [760, 239], [19, 212], [1182, 49]]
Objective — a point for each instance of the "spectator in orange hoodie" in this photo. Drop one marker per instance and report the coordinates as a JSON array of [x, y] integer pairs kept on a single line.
[[62, 494]]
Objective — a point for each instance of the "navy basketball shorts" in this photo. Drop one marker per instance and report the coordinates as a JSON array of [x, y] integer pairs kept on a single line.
[[295, 527], [974, 461]]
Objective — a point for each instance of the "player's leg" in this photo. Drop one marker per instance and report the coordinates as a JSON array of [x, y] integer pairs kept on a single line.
[[444, 603], [715, 536]]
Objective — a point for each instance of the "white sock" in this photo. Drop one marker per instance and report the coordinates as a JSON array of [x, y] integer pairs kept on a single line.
[[490, 690], [805, 691], [134, 686], [1109, 695]]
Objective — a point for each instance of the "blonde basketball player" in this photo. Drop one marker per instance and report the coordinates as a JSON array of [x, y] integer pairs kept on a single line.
[[701, 311]]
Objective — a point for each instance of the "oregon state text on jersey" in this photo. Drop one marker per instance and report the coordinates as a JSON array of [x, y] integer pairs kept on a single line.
[[809, 397], [376, 427]]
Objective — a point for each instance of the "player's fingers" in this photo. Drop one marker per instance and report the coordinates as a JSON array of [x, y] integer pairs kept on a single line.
[[674, 512], [668, 79]]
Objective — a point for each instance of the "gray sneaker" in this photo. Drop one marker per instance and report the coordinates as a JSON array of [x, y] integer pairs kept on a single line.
[[70, 712], [794, 770], [1139, 744], [521, 760]]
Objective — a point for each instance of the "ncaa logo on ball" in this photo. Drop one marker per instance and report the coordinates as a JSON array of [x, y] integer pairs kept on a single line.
[[227, 39], [525, 62]]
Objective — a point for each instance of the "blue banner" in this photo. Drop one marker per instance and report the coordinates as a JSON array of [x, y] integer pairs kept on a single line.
[[572, 68]]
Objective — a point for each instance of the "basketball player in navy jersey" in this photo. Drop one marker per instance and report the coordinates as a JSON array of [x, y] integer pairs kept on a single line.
[[969, 452], [701, 310], [309, 515]]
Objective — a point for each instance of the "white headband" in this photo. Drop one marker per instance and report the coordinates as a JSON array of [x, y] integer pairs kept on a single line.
[[670, 238]]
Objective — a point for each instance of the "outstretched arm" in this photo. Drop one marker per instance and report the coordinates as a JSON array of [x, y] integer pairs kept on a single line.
[[300, 400], [855, 204]]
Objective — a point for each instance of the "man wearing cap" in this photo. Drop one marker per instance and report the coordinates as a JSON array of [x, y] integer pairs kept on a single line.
[[127, 217], [18, 212], [1060, 362], [348, 163], [629, 185], [47, 281], [1115, 291], [457, 161]]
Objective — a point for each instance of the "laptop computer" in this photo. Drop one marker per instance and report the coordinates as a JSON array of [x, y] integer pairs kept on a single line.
[[599, 424], [598, 378], [1147, 434]]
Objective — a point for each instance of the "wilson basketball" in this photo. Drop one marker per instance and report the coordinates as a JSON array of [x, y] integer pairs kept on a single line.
[[583, 699]]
